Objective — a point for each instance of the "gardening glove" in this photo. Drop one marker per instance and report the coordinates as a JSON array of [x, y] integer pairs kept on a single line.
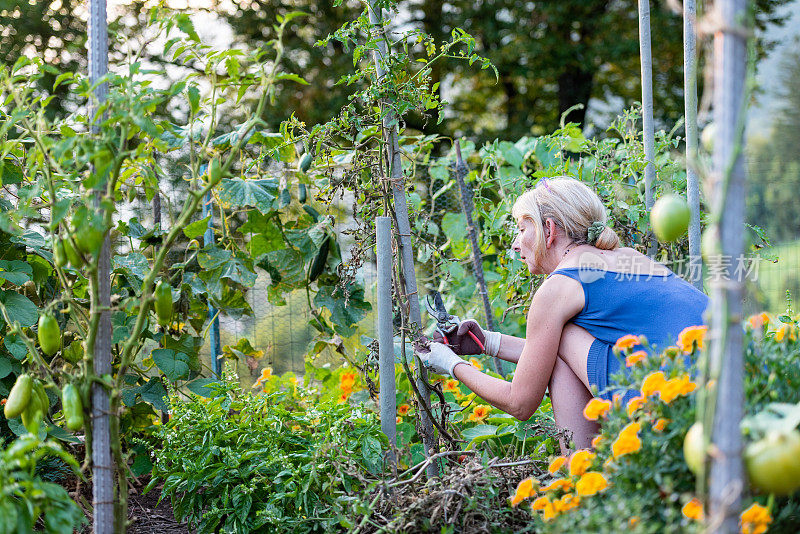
[[440, 358], [462, 343]]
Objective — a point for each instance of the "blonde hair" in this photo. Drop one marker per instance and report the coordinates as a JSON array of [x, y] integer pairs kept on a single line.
[[571, 205]]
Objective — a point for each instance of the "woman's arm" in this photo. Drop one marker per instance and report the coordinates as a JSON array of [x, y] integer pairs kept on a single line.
[[510, 348], [555, 303]]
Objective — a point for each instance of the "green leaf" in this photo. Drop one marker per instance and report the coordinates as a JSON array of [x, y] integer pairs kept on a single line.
[[478, 434], [19, 308], [292, 77], [15, 346], [200, 387], [194, 99], [259, 194], [174, 365], [15, 271], [134, 266], [212, 257], [454, 226], [154, 393], [5, 366], [372, 453], [10, 173], [197, 228], [345, 313]]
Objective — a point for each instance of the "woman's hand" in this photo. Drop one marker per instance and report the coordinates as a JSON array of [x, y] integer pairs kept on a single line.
[[440, 358], [462, 341]]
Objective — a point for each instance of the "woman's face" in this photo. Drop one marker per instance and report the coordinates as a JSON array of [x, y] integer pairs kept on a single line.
[[524, 245]]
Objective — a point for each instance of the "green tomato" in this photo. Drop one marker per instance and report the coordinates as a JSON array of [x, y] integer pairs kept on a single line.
[[19, 397], [693, 448], [670, 217], [163, 302], [49, 334], [73, 407], [773, 463]]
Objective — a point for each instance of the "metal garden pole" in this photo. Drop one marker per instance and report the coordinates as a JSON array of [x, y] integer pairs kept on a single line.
[[388, 401], [727, 480], [103, 500], [397, 185], [690, 114], [647, 111], [477, 257], [213, 316]]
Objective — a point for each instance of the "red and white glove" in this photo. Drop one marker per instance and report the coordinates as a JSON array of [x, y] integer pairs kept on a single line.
[[463, 343]]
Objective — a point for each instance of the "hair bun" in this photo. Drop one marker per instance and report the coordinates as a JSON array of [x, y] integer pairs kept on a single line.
[[594, 231]]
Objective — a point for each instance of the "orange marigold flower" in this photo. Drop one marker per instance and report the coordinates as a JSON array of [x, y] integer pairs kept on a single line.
[[480, 412], [477, 363], [266, 372], [758, 321], [556, 464], [633, 520], [550, 512], [596, 408], [660, 425], [580, 462], [628, 441], [403, 409], [626, 342], [756, 516], [524, 490], [540, 503], [347, 381], [652, 383], [566, 502], [787, 332], [590, 483], [634, 404], [559, 483], [636, 357], [676, 387], [452, 386], [3, 402], [693, 510], [691, 336], [344, 396], [596, 441], [399, 420]]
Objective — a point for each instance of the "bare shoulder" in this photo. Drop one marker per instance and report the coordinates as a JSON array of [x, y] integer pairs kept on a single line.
[[559, 297]]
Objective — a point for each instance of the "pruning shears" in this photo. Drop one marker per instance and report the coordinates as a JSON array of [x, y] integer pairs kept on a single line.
[[445, 323]]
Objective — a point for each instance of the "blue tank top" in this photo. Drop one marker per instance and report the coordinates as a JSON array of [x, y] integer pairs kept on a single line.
[[616, 304]]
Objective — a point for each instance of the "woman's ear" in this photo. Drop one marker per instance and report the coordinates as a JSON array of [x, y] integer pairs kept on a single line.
[[549, 232]]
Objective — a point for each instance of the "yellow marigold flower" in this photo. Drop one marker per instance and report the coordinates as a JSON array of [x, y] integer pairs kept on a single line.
[[660, 425], [636, 357], [756, 515], [596, 408], [556, 464], [691, 336], [676, 387], [540, 503], [652, 383], [751, 528], [634, 404], [524, 490], [596, 441], [787, 332], [628, 441], [626, 342], [266, 372], [480, 412], [477, 363], [550, 512], [559, 483], [590, 483], [451, 386], [757, 322], [403, 409], [566, 502], [580, 462], [693, 510]]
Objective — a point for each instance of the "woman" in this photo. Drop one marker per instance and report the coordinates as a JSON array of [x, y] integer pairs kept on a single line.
[[595, 293]]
